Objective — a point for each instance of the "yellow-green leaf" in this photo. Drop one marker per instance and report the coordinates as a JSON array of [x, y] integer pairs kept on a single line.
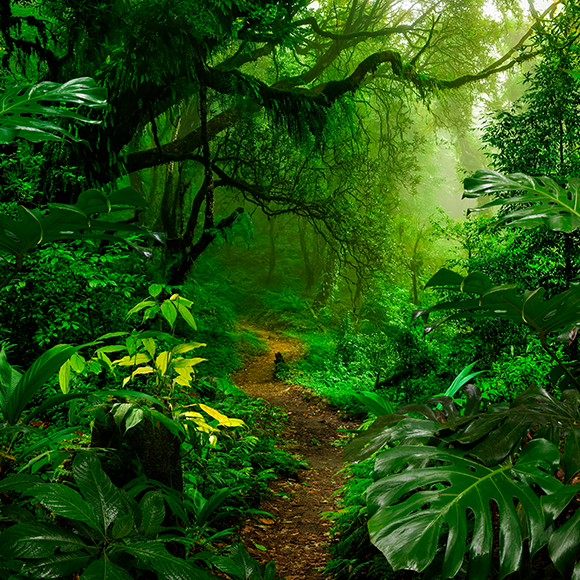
[[77, 363], [136, 359], [162, 361], [149, 345], [64, 377], [186, 315], [140, 371], [186, 347], [140, 306]]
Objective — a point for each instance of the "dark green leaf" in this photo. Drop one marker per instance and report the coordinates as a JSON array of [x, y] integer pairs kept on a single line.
[[167, 566], [66, 502], [37, 540], [96, 488], [104, 569], [57, 566], [153, 512]]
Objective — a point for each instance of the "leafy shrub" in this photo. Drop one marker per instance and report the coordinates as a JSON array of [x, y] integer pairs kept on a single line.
[[73, 293]]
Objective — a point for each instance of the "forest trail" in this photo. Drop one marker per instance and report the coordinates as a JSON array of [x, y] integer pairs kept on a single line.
[[298, 536]]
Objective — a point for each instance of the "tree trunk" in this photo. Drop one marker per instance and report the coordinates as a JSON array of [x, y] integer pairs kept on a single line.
[[308, 270], [272, 260]]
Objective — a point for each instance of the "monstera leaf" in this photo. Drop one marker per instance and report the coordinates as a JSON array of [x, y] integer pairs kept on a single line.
[[449, 501], [23, 109], [544, 316], [540, 200]]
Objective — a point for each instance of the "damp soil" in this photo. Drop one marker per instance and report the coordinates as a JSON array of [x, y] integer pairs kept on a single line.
[[297, 536]]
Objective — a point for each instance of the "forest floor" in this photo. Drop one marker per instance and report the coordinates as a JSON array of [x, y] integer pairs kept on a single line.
[[298, 536]]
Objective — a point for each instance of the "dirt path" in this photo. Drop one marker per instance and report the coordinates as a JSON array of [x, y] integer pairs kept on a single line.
[[298, 537]]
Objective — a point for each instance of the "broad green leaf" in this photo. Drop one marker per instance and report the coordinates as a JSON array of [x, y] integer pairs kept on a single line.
[[21, 109], [112, 348], [563, 546], [127, 198], [66, 502], [153, 512], [444, 493], [37, 540], [186, 347], [19, 482], [56, 566], [9, 379], [228, 566], [162, 361], [169, 312], [187, 363], [149, 345], [540, 200], [140, 306], [220, 418], [77, 363], [375, 403], [250, 568], [47, 441], [389, 428], [186, 314], [155, 290], [171, 424], [168, 567], [104, 569], [146, 370], [123, 526], [119, 412], [135, 359], [208, 507], [96, 488], [133, 418], [42, 369], [181, 300]]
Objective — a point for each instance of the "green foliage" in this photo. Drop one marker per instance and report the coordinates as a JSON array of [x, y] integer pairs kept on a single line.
[[104, 533], [67, 222], [409, 539], [17, 389], [73, 294], [538, 134], [465, 460], [241, 566], [546, 317]]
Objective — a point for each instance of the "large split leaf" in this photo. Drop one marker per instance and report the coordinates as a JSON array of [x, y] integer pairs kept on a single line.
[[23, 109], [450, 499], [544, 316], [540, 200]]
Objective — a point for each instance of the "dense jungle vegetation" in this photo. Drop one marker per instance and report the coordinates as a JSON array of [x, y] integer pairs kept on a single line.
[[169, 169]]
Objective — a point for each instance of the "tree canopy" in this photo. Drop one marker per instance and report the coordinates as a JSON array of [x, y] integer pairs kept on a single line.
[[197, 83]]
